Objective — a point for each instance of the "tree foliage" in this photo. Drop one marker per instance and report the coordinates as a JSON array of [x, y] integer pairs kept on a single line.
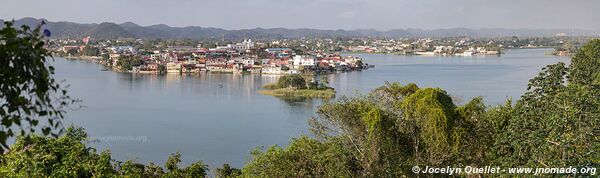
[[128, 62], [69, 156], [556, 123], [28, 90], [304, 157], [227, 171], [584, 68], [91, 51], [292, 80]]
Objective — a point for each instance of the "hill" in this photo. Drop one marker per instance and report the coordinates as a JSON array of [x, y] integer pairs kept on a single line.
[[109, 30]]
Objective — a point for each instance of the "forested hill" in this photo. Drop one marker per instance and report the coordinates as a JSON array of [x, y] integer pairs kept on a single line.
[[108, 30]]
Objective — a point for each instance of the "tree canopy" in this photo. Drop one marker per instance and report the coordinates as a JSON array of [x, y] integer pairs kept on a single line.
[[69, 156], [556, 123], [292, 80], [28, 90]]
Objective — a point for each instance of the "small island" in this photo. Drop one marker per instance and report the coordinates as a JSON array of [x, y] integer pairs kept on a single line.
[[296, 86]]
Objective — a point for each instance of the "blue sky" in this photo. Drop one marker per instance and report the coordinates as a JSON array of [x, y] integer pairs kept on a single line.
[[320, 14]]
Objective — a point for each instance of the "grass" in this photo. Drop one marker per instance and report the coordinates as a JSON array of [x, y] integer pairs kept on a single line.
[[270, 86], [306, 93]]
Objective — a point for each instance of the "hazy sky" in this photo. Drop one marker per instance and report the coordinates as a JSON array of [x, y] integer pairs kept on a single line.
[[321, 14]]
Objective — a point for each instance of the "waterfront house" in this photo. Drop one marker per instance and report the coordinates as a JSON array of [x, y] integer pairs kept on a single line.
[[425, 53], [189, 68], [272, 69], [173, 67], [149, 68]]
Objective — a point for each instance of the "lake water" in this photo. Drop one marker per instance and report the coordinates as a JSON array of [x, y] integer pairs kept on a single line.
[[147, 117]]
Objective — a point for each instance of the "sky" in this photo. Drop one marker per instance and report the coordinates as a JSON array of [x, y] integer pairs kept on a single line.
[[318, 14]]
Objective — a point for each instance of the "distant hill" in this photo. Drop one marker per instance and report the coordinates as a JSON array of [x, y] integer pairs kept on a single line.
[[109, 30]]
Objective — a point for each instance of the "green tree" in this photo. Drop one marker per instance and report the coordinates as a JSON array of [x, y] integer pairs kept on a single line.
[[304, 157], [69, 156], [197, 169], [162, 69], [396, 127], [292, 80], [555, 123], [585, 63], [128, 62], [227, 171], [91, 51], [28, 90], [172, 162]]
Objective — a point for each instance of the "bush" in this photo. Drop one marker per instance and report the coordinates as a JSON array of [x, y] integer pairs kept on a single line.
[[68, 156], [293, 81]]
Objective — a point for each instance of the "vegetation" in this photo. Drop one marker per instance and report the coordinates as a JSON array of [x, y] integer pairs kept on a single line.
[[566, 48], [69, 156], [28, 90], [128, 62], [227, 171], [289, 92], [295, 85], [292, 81], [91, 51], [384, 133]]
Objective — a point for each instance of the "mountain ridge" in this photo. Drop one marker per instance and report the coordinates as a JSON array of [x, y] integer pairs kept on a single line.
[[109, 30]]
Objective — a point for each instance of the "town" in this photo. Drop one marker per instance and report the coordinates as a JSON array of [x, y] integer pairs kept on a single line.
[[281, 56], [243, 57]]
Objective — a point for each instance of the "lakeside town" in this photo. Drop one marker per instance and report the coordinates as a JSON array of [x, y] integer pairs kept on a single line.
[[280, 57], [243, 57]]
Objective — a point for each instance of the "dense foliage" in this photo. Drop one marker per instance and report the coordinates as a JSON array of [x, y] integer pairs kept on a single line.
[[227, 171], [28, 91], [556, 123], [69, 156], [292, 81], [128, 62]]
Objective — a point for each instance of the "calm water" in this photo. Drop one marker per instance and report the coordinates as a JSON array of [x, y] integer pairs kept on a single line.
[[147, 117]]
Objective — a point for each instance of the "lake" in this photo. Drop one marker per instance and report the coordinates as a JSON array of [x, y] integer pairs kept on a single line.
[[220, 118]]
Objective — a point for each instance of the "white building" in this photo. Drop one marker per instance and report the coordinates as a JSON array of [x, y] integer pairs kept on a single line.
[[299, 60], [243, 46], [247, 62], [173, 67], [122, 49]]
